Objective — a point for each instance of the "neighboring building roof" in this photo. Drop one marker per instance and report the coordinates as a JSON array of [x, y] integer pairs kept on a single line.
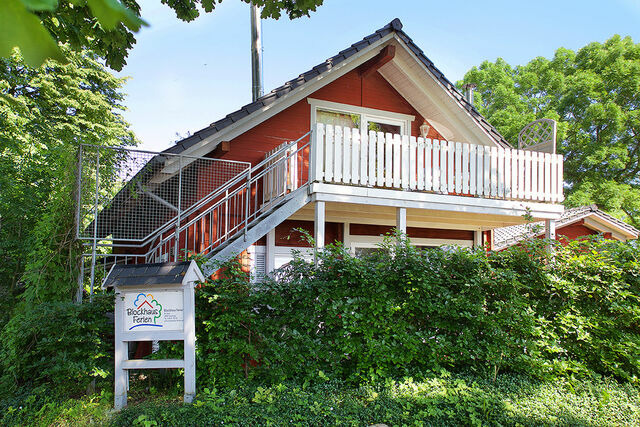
[[167, 273], [393, 26], [508, 236]]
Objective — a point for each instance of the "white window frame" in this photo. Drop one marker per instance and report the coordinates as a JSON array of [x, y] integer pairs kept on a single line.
[[357, 241], [366, 114]]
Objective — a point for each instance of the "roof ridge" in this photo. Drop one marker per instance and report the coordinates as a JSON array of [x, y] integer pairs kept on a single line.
[[394, 26]]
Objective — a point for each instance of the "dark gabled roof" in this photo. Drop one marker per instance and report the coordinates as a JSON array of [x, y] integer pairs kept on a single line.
[[302, 79], [508, 236], [167, 273]]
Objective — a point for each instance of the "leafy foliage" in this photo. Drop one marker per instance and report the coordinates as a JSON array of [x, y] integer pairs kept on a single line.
[[106, 27], [45, 114], [403, 310], [61, 343], [594, 93], [436, 399]]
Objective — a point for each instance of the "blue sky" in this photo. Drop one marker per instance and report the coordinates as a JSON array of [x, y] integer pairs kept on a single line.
[[183, 76]]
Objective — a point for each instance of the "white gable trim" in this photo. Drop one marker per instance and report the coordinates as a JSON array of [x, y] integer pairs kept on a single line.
[[471, 130]]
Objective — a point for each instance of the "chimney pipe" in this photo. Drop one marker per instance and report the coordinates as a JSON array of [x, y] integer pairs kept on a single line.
[[468, 92], [256, 53]]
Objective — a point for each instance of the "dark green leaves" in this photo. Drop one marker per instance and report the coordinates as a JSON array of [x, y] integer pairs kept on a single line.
[[594, 94]]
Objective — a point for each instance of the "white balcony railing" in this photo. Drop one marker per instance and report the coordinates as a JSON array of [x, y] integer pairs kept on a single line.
[[376, 159]]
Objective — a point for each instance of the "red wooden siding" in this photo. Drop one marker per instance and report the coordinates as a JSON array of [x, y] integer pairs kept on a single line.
[[371, 92]]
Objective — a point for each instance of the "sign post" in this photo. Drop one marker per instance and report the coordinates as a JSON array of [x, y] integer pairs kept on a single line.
[[154, 302]]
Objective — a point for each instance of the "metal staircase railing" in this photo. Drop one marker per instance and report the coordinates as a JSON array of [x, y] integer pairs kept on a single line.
[[237, 206]]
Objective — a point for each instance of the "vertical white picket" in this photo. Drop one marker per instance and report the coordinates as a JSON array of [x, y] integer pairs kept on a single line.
[[501, 172], [346, 155], [487, 171], [480, 171], [337, 154], [507, 173], [540, 195], [527, 175], [397, 160], [444, 148], [404, 162], [473, 150], [521, 173], [494, 171], [364, 158], [328, 152], [436, 165], [554, 179], [372, 158], [420, 166], [451, 166], [547, 177], [413, 166], [355, 156], [465, 168], [560, 178], [534, 175], [458, 167], [380, 161], [317, 161], [514, 174], [428, 165], [388, 159]]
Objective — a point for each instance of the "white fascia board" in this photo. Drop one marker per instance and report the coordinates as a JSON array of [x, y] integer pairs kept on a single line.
[[430, 201], [193, 274], [604, 225], [448, 94], [241, 126]]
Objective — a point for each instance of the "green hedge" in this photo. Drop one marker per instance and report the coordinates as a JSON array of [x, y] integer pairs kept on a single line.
[[404, 310]]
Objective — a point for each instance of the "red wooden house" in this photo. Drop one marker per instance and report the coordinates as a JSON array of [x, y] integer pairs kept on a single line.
[[373, 138], [574, 224]]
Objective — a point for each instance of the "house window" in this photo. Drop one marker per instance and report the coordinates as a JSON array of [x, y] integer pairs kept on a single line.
[[354, 117]]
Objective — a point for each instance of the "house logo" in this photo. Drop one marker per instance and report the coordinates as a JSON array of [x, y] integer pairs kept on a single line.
[[146, 311]]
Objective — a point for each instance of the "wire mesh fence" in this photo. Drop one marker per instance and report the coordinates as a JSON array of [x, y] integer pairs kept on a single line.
[[129, 196]]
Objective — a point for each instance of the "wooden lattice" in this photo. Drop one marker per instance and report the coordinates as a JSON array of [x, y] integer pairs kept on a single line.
[[539, 135]]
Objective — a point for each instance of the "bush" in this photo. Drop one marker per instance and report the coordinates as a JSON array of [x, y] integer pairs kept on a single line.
[[402, 310], [62, 346]]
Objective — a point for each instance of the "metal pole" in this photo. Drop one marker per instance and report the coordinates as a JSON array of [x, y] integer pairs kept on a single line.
[[79, 193], [256, 53], [178, 219], [95, 227]]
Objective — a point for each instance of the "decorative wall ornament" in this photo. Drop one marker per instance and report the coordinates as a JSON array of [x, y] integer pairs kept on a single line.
[[539, 135]]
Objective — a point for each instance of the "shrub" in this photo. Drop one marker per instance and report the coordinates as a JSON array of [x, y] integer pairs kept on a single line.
[[402, 310], [62, 346]]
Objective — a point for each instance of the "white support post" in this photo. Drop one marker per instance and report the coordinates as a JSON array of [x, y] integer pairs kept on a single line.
[[401, 220], [346, 239], [319, 226], [550, 232], [189, 344], [120, 375], [270, 252], [477, 239]]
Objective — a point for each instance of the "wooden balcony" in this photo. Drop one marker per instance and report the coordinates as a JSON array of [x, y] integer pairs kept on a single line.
[[434, 174]]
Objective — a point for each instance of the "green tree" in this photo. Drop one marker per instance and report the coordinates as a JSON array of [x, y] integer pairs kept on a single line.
[[106, 27], [45, 114], [594, 94]]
